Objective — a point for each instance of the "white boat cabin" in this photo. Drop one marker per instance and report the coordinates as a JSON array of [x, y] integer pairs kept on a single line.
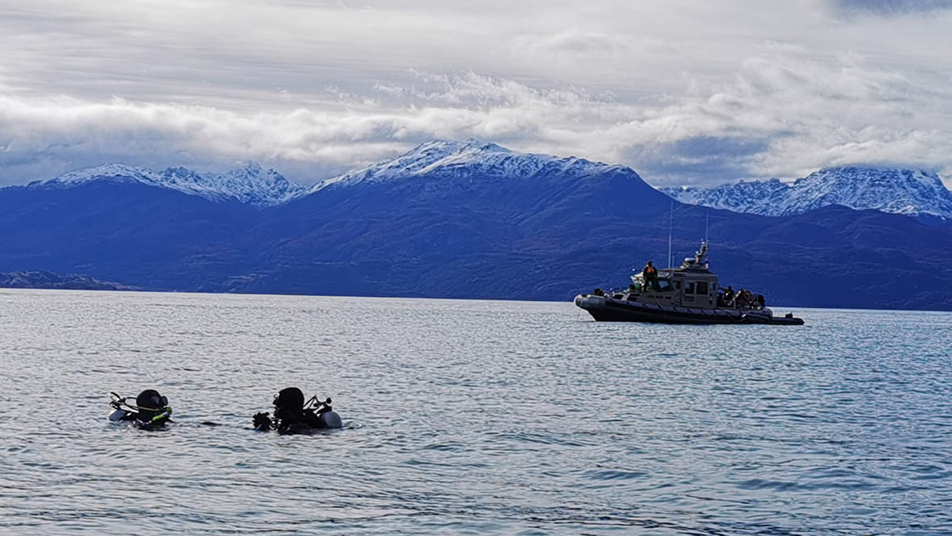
[[690, 285]]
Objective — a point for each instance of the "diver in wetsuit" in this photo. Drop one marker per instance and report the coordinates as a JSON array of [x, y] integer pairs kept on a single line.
[[292, 415], [151, 410]]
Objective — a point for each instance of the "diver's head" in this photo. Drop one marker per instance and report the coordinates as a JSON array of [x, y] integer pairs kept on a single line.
[[151, 403], [288, 403]]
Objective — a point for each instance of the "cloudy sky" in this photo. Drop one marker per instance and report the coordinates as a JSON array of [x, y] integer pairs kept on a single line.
[[683, 91]]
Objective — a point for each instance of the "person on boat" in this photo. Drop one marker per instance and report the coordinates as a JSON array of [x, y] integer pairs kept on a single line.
[[650, 275], [745, 299], [729, 296], [150, 411], [292, 415]]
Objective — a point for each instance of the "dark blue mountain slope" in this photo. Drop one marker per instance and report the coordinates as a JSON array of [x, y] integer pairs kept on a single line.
[[49, 280], [530, 244], [468, 232], [142, 236]]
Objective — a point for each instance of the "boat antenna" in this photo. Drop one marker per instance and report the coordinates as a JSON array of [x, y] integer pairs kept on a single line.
[[707, 226], [670, 231]]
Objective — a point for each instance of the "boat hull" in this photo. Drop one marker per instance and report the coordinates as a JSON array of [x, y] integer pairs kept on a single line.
[[607, 309]]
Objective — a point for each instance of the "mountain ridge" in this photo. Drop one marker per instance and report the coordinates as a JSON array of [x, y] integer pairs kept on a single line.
[[910, 192], [476, 156], [250, 184]]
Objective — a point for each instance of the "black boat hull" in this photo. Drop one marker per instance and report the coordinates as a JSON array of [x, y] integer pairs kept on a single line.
[[607, 309]]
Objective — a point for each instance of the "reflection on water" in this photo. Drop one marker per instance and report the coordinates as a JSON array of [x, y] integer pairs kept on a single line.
[[469, 417]]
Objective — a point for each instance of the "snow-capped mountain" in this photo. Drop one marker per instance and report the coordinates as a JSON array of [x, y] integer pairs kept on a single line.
[[254, 186], [466, 159], [897, 191], [900, 191], [250, 185], [753, 196]]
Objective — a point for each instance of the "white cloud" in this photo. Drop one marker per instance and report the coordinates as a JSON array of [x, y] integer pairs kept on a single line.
[[684, 91], [889, 8]]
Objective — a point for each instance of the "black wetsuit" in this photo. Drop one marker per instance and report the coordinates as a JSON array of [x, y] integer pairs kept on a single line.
[[148, 420], [290, 416], [301, 422]]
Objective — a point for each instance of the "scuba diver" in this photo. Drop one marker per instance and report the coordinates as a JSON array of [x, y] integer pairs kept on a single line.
[[292, 415], [151, 410]]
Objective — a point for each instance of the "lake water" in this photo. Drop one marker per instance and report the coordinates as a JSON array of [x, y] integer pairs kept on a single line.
[[470, 417]]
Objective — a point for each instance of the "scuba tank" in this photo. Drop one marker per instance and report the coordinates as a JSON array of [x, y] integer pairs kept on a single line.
[[326, 416], [121, 410], [118, 414], [331, 419]]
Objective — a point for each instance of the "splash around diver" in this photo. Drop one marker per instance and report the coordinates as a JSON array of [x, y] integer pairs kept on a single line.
[[292, 415], [151, 410]]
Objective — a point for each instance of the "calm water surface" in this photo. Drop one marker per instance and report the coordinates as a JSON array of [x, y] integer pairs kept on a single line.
[[470, 417]]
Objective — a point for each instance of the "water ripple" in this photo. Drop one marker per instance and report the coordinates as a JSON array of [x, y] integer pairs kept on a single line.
[[467, 417]]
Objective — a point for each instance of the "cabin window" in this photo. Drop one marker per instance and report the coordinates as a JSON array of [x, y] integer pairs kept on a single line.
[[701, 287], [639, 285], [689, 287]]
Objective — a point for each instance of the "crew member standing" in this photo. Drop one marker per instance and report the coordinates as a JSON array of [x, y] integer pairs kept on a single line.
[[650, 275]]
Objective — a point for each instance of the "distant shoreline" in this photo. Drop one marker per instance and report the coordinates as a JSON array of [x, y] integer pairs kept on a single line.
[[131, 290]]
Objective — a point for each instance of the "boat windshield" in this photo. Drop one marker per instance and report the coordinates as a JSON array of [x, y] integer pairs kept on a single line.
[[664, 285]]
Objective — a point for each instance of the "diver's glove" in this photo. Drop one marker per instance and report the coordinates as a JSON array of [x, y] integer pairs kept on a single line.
[[162, 418], [262, 421]]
